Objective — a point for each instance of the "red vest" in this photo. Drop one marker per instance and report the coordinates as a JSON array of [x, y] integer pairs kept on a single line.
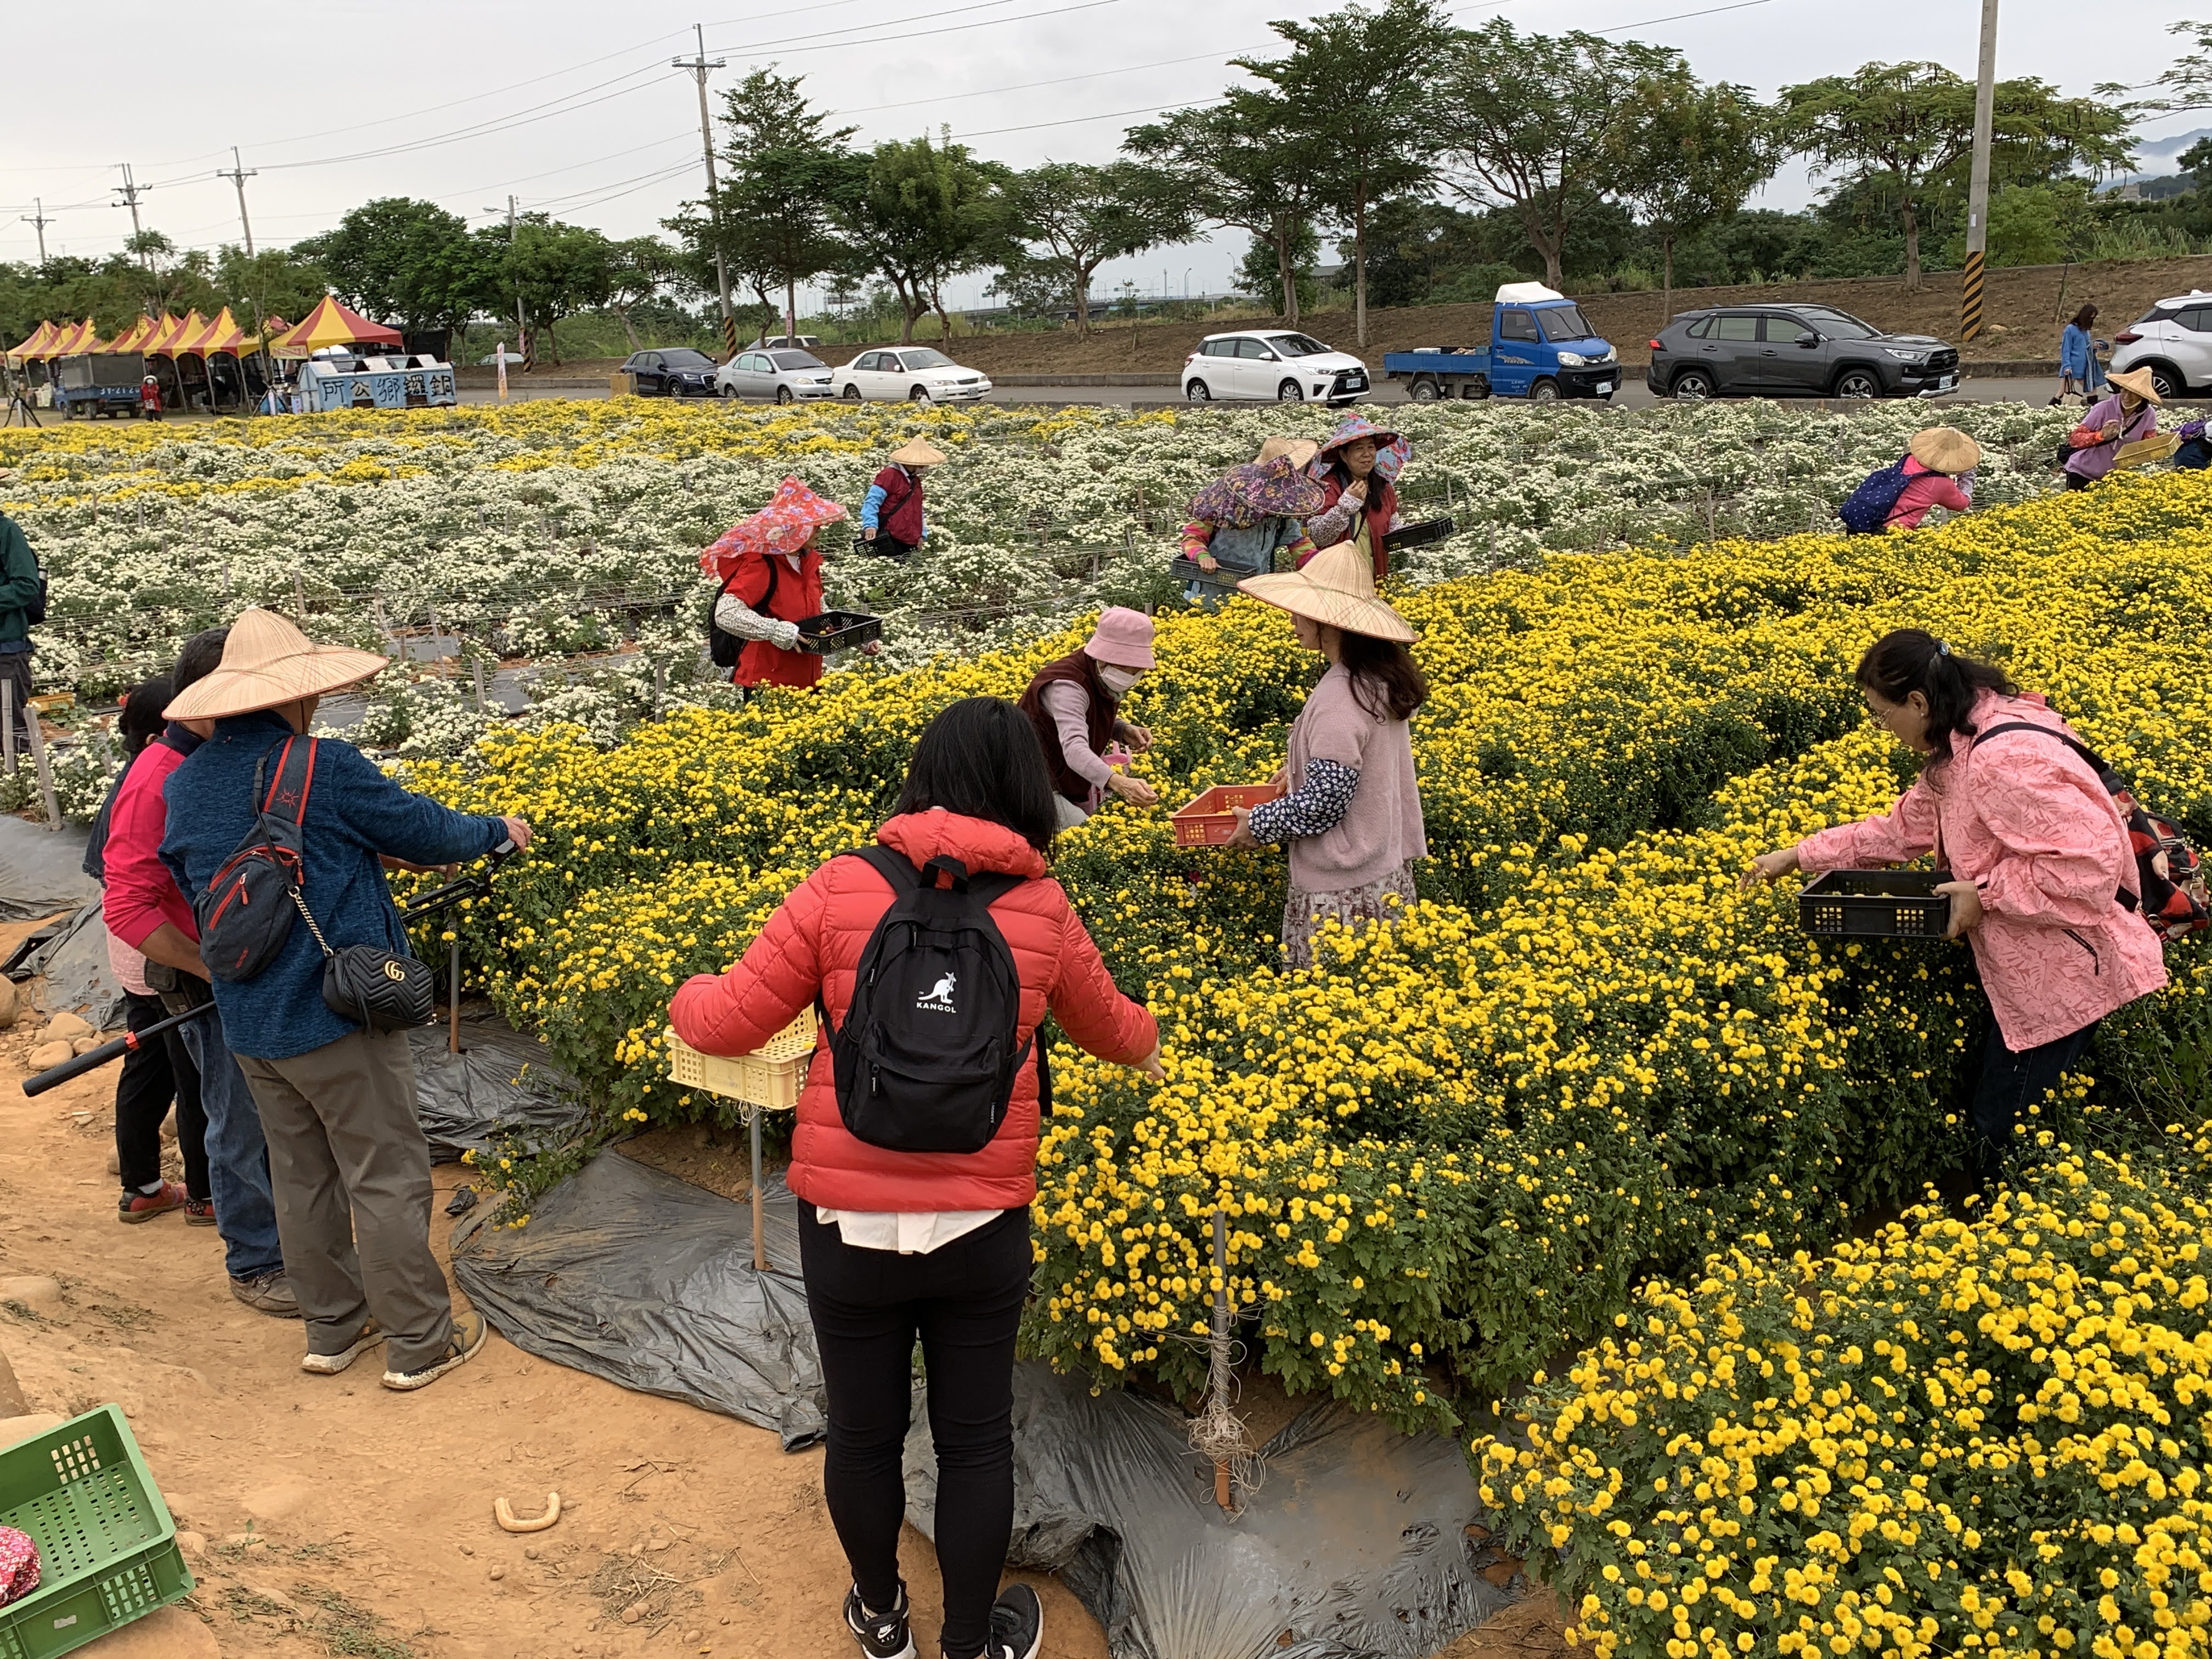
[[1076, 669], [787, 596], [900, 516]]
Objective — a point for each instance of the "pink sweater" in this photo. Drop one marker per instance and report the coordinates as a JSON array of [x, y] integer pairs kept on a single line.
[[2026, 820], [142, 893], [1928, 488]]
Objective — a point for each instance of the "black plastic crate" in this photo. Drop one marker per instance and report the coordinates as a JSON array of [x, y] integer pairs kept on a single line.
[[839, 630], [1876, 904]]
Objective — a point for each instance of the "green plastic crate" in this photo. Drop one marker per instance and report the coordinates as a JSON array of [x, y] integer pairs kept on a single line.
[[107, 1549]]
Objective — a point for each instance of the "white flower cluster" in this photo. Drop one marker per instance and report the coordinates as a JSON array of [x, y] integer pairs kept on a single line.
[[575, 546]]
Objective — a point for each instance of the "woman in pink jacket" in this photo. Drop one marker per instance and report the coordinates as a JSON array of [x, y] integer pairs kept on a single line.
[[2045, 870]]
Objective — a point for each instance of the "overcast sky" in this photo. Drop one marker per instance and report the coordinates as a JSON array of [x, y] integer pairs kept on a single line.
[[572, 104]]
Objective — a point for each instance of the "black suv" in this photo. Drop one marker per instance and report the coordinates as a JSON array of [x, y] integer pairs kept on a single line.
[[1795, 351], [670, 372]]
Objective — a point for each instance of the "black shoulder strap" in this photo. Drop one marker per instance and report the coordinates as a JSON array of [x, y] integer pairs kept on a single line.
[[2089, 756]]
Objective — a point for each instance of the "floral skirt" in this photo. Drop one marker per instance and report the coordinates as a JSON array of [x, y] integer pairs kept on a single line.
[[1305, 913]]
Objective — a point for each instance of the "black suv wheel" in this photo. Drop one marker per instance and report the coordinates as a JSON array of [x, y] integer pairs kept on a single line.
[[1858, 383]]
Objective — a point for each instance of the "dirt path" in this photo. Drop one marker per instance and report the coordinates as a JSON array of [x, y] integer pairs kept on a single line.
[[332, 1516]]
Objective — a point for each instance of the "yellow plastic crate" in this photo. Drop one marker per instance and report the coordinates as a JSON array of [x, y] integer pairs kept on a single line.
[[770, 1077]]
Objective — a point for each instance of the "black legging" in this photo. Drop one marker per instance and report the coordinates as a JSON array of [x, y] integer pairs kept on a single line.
[[2006, 1084], [152, 1077], [964, 1301]]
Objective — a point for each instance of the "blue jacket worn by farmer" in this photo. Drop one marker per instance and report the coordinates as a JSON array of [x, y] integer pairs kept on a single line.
[[19, 584], [354, 813]]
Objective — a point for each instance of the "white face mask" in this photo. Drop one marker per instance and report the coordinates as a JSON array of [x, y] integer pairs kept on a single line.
[[1119, 680]]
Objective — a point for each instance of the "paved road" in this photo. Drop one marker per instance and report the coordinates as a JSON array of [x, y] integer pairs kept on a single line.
[[1973, 388]]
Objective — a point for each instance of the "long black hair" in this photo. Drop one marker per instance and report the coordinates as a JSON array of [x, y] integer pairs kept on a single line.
[[2084, 317], [1385, 679], [1912, 660], [141, 721], [980, 758]]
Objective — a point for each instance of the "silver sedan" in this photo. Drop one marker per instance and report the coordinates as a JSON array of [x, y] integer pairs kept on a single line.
[[784, 374]]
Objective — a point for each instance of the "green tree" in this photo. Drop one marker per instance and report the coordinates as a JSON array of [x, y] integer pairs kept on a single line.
[[1351, 88], [1244, 165], [1687, 158], [275, 282], [1536, 122], [787, 170], [1910, 126], [170, 279], [408, 263], [920, 213], [638, 269], [556, 270], [1080, 216]]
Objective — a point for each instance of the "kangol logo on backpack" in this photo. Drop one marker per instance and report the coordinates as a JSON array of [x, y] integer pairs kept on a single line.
[[938, 999]]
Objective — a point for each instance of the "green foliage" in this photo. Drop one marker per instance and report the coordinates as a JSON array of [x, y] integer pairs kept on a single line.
[[923, 212], [1065, 219], [409, 262], [1907, 128], [1539, 123]]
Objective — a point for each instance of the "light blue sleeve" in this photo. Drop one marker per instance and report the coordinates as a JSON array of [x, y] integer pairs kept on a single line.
[[872, 506]]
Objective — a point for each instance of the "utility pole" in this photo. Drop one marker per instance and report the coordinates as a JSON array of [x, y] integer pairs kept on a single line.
[[698, 66], [238, 175], [130, 191], [1978, 185], [38, 218], [521, 322]]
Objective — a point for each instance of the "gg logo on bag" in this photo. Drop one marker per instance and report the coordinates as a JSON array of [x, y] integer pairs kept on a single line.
[[394, 972]]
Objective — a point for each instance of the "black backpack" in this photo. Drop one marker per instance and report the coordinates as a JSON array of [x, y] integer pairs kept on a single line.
[[246, 913], [926, 1059], [724, 646]]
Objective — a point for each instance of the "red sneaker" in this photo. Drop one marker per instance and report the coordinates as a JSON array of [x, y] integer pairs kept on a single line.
[[144, 1207], [199, 1212]]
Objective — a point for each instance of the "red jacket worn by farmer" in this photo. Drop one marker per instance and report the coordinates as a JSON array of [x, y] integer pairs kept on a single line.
[[787, 589], [815, 941]]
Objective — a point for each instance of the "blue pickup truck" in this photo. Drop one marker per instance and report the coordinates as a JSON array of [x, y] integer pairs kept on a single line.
[[1540, 347]]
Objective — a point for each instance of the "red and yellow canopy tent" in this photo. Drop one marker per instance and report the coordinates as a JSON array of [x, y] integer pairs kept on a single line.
[[33, 348], [331, 324]]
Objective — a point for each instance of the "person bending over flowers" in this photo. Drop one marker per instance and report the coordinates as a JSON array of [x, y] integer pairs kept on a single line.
[[2043, 866]]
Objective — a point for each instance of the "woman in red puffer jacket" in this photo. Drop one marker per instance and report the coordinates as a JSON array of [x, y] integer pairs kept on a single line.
[[897, 1244]]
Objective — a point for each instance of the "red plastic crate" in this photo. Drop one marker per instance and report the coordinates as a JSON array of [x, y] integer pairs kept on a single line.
[[1206, 821]]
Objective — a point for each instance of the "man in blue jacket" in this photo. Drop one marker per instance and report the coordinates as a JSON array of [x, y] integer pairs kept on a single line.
[[346, 1155], [19, 595]]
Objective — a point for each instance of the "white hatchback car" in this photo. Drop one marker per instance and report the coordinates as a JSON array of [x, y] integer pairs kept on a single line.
[[915, 374], [1279, 364], [2174, 341]]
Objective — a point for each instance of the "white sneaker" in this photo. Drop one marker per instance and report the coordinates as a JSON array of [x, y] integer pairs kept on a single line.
[[330, 1365]]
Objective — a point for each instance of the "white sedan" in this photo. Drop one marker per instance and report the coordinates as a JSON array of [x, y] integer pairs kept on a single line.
[[1282, 364], [915, 374]]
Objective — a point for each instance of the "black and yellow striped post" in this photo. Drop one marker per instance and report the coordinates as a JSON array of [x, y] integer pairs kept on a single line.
[[1977, 184]]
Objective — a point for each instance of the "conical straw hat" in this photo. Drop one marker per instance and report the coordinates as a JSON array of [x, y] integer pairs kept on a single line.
[[918, 452], [1944, 449], [1299, 451], [1336, 588], [267, 663], [2137, 380]]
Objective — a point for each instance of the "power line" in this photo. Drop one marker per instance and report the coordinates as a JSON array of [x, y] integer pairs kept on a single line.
[[1623, 28]]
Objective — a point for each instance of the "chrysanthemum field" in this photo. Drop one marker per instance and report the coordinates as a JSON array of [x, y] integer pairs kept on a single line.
[[1587, 1109]]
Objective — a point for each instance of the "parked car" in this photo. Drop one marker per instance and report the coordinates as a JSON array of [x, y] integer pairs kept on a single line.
[[793, 342], [1273, 363], [1795, 351], [2174, 341], [920, 373], [785, 376], [670, 372]]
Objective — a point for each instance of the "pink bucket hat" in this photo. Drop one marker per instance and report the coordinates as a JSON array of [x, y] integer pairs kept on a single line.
[[1123, 638]]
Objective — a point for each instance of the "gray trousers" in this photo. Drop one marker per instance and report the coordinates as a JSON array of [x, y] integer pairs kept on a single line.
[[352, 1177]]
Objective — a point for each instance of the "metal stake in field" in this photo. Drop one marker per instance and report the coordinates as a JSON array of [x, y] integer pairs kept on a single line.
[[1217, 1432], [759, 1201], [1977, 184]]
